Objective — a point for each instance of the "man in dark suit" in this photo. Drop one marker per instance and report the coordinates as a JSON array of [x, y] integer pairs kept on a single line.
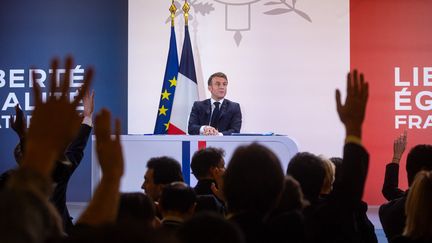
[[217, 115]]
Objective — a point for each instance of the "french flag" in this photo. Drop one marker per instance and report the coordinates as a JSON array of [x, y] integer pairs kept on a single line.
[[186, 90]]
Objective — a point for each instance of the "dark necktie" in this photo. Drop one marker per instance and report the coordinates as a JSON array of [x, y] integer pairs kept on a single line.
[[215, 115]]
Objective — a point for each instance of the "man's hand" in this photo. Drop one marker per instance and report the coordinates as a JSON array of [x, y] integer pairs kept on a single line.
[[88, 103], [352, 113], [109, 150], [19, 125], [399, 146], [209, 130], [217, 174], [217, 191], [47, 137]]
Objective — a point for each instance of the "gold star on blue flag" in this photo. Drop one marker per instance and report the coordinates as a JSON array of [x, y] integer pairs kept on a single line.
[[168, 87]]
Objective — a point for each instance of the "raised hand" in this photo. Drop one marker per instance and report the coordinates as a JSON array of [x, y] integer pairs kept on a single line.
[[109, 150], [352, 113], [19, 125], [48, 136], [88, 103], [399, 146]]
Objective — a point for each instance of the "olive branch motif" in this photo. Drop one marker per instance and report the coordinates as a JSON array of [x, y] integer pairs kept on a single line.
[[204, 8], [287, 9]]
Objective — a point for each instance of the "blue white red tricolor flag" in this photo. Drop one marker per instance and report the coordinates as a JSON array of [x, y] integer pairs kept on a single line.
[[186, 90]]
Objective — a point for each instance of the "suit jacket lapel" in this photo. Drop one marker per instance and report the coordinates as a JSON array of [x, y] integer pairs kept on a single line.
[[223, 109], [208, 111]]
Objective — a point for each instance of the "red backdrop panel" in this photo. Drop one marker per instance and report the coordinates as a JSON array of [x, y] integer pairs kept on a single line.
[[384, 35]]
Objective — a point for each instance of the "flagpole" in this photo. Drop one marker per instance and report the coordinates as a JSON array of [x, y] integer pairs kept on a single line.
[[169, 82], [186, 9], [172, 10]]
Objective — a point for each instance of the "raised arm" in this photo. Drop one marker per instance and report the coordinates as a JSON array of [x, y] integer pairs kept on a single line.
[[355, 160], [75, 150], [390, 188], [19, 124]]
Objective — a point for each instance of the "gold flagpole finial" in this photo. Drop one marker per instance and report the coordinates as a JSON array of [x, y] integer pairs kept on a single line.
[[172, 10], [186, 9]]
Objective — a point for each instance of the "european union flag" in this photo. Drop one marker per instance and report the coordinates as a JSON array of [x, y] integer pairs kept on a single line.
[[168, 88]]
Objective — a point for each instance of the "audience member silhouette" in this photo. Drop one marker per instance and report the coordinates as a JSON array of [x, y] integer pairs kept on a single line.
[[208, 166], [309, 170], [392, 214], [177, 203], [253, 183], [136, 207], [418, 210], [161, 171], [286, 223]]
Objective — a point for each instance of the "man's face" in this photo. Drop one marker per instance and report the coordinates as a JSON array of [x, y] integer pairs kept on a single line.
[[150, 188], [218, 88], [218, 171]]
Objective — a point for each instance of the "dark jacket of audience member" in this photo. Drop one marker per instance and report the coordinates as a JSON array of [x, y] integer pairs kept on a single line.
[[392, 214], [204, 164], [333, 219], [64, 170], [365, 228]]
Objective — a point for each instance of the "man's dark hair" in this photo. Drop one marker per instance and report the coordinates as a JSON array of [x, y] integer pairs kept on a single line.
[[177, 197], [419, 158], [165, 170], [253, 180], [218, 74], [204, 159], [136, 206], [308, 169]]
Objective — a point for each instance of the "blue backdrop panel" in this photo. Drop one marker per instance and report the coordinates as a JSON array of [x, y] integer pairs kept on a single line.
[[31, 32]]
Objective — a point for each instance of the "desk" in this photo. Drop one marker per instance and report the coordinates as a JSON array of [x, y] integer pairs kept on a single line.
[[138, 149]]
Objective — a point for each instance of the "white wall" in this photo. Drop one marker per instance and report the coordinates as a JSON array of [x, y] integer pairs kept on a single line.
[[283, 72]]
